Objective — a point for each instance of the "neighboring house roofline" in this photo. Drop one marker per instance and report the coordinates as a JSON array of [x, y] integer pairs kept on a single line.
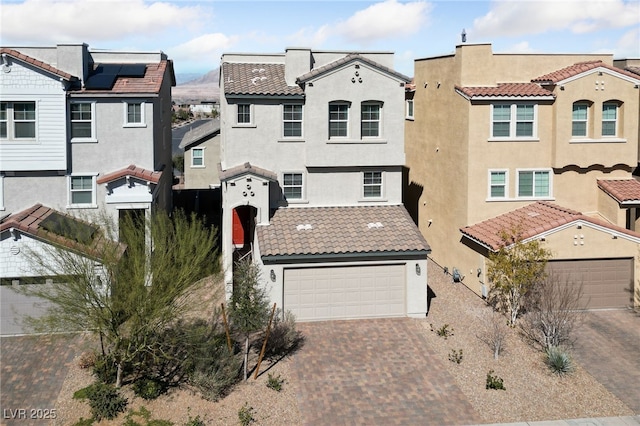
[[537, 220], [346, 60], [132, 171], [32, 222], [200, 134], [36, 63], [580, 69], [505, 91], [625, 192], [346, 257]]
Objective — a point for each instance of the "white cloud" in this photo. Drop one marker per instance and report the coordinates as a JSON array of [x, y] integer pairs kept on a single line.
[[628, 46], [522, 47], [310, 37], [203, 51], [91, 20], [386, 19], [515, 18]]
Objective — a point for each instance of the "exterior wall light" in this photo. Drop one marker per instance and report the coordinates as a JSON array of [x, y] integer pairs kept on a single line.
[[418, 271], [273, 275]]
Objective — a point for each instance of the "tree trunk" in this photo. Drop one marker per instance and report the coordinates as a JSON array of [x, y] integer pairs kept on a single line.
[[119, 375], [246, 357]]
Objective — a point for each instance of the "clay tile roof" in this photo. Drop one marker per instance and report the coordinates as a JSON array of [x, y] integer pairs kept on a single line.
[[151, 82], [347, 59], [199, 133], [531, 220], [133, 171], [349, 230], [634, 70], [256, 79], [517, 90], [578, 68], [622, 190], [36, 63], [246, 168], [82, 237]]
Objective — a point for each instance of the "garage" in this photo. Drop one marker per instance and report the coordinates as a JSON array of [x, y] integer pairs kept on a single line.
[[607, 283], [345, 292]]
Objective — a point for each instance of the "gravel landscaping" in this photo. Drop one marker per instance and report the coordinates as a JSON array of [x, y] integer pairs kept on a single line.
[[532, 392]]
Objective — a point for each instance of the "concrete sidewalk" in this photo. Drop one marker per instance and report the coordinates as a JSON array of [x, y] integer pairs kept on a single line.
[[601, 421]]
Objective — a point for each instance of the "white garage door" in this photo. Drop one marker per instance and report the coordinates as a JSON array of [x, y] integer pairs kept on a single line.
[[607, 283], [345, 292]]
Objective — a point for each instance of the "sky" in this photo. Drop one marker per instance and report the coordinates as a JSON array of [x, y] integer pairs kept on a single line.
[[194, 34]]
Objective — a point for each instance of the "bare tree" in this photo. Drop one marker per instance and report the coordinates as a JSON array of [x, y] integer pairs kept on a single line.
[[555, 311], [493, 330], [514, 270]]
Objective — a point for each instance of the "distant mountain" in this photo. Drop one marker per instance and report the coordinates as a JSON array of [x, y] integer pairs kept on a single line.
[[187, 77], [198, 89]]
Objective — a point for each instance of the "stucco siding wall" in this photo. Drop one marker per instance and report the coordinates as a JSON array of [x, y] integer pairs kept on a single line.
[[200, 177], [21, 192]]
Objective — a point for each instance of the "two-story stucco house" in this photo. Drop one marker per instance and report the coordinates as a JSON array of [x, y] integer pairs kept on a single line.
[[311, 178], [544, 143], [81, 131]]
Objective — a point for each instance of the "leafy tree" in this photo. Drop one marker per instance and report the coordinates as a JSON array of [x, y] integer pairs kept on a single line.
[[249, 305], [127, 294], [514, 270]]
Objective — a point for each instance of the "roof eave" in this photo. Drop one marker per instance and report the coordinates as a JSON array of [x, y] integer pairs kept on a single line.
[[343, 257]]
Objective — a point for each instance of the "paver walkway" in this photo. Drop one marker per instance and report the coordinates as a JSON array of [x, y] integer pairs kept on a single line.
[[374, 372], [33, 369], [608, 347]]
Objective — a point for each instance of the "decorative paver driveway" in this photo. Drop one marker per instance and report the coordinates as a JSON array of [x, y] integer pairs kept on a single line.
[[374, 372], [608, 347], [32, 373]]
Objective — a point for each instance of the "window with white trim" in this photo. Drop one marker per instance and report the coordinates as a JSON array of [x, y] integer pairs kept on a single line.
[[370, 119], [291, 120], [134, 114], [514, 121], [498, 183], [292, 186], [82, 120], [338, 120], [197, 157], [579, 119], [409, 112], [1, 192], [534, 183], [243, 113], [18, 120], [610, 119], [372, 184], [82, 190]]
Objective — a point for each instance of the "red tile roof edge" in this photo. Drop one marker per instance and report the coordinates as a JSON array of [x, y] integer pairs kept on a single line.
[[579, 68], [36, 63], [505, 90], [612, 188], [134, 171], [351, 57]]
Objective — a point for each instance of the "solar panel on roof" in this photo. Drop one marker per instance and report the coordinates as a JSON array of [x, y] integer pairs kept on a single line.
[[69, 228], [108, 69], [100, 81], [132, 70]]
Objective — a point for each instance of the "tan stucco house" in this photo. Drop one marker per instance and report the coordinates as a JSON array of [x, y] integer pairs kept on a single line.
[[545, 142]]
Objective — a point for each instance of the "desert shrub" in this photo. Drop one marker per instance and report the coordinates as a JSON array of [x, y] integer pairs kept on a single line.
[[105, 401], [149, 388], [494, 382], [214, 379], [443, 331], [145, 416], [245, 414], [87, 360], [559, 360], [105, 368], [275, 382], [195, 421], [284, 337], [493, 330], [455, 356], [84, 422]]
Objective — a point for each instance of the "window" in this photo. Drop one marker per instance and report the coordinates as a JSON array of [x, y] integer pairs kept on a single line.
[[3, 120], [609, 118], [244, 114], [82, 114], [579, 119], [370, 120], [292, 121], [372, 185], [1, 192], [197, 157], [134, 114], [17, 120], [82, 190], [534, 183], [513, 120], [292, 186], [338, 120], [498, 183], [409, 108]]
